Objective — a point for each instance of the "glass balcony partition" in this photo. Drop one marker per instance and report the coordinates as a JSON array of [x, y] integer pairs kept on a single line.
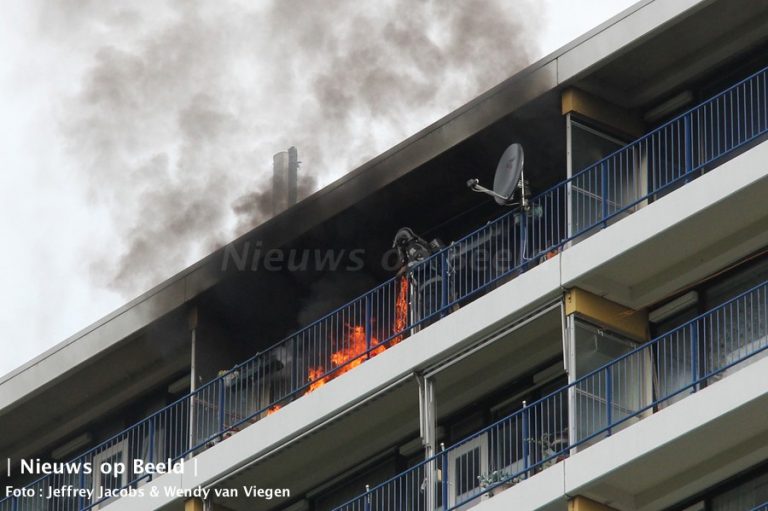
[[610, 396], [588, 145]]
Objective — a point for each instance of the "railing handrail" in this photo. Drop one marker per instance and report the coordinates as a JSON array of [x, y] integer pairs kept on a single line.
[[671, 121], [643, 347]]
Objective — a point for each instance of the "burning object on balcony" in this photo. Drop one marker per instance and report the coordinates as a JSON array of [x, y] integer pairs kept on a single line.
[[360, 340], [427, 276], [412, 249]]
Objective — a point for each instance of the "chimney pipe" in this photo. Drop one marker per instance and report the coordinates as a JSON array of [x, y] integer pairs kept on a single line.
[[293, 175], [285, 175]]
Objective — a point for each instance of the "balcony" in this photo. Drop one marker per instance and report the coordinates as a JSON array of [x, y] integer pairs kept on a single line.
[[600, 195], [634, 386]]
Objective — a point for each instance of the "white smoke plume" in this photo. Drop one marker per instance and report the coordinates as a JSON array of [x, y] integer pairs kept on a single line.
[[182, 103]]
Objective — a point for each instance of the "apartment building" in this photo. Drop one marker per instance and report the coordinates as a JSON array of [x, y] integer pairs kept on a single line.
[[597, 344]]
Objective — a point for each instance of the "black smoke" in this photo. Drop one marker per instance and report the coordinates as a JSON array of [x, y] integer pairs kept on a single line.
[[182, 104]]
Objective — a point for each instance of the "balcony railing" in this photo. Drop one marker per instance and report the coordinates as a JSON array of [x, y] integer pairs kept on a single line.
[[629, 179], [635, 385]]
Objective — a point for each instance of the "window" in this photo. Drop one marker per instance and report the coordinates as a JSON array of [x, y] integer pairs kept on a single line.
[[743, 492], [465, 466], [152, 447], [117, 453], [718, 343], [737, 330], [515, 445], [673, 358], [745, 496]]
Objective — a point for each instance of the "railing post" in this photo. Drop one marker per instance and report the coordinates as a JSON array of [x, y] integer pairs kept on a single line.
[[368, 324], [151, 449], [444, 478], [444, 280], [81, 499], [526, 440], [688, 144], [295, 380], [367, 504], [191, 417], [221, 408], [694, 356], [604, 193], [608, 398], [523, 238]]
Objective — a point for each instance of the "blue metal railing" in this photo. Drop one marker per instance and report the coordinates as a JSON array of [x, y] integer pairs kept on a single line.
[[601, 402], [761, 507], [601, 194]]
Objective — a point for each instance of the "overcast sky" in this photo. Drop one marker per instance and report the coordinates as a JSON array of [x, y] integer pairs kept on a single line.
[[108, 108]]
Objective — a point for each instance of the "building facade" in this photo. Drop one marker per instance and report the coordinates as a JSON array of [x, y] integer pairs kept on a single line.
[[599, 345]]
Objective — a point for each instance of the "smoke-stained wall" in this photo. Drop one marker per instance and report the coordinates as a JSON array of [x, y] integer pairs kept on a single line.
[[181, 104]]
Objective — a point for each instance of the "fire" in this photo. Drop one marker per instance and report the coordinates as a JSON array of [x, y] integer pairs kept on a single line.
[[401, 310], [273, 409], [349, 356], [355, 345], [314, 375]]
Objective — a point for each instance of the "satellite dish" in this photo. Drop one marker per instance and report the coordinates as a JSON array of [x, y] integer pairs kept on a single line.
[[508, 173], [508, 178]]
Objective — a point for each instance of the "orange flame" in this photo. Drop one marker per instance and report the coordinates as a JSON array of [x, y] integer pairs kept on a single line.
[[353, 352], [401, 310], [345, 359], [314, 375]]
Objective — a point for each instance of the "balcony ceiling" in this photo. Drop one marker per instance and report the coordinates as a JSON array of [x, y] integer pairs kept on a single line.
[[705, 44], [103, 385]]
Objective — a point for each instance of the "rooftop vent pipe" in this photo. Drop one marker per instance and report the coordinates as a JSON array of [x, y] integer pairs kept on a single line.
[[285, 175]]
